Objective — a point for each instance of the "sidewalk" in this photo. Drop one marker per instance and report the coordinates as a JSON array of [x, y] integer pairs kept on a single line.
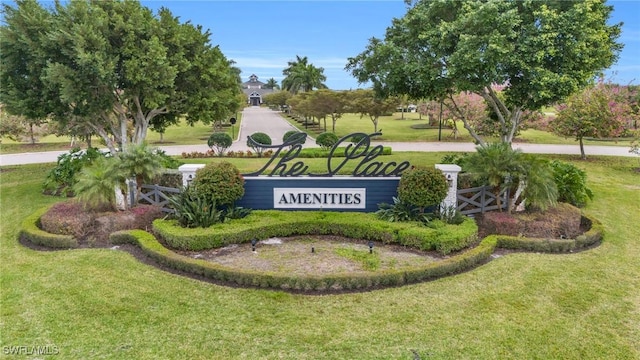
[[176, 150]]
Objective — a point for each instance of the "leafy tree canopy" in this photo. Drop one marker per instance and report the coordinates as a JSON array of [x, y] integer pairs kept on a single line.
[[114, 65], [538, 52]]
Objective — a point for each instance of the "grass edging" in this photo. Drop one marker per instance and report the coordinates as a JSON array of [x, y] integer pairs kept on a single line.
[[31, 232], [339, 282], [269, 223]]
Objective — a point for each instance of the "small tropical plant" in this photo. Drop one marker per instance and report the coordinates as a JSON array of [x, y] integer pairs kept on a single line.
[[571, 183], [326, 140], [193, 209], [139, 161], [96, 184], [401, 211], [450, 215], [61, 178], [422, 187], [219, 142], [236, 212]]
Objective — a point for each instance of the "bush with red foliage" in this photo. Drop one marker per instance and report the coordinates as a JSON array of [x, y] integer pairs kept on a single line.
[[67, 218], [70, 218], [561, 222]]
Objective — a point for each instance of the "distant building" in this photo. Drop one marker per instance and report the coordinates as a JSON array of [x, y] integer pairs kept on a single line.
[[255, 90]]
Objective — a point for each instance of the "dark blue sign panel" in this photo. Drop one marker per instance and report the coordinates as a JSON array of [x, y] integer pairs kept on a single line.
[[336, 193]]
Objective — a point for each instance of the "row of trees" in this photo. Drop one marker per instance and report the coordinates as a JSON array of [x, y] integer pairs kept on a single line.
[[324, 103], [111, 68]]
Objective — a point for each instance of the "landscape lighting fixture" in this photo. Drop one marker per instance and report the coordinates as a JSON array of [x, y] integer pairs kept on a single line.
[[370, 247], [253, 244]]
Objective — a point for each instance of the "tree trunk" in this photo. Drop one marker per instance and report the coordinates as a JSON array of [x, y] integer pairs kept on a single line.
[[583, 156], [33, 139]]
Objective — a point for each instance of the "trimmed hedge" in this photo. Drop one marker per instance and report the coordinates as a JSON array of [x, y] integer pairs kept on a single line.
[[150, 246], [357, 225], [263, 224], [31, 232], [589, 238]]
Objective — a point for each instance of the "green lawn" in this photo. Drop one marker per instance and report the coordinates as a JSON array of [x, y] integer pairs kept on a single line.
[[394, 128], [105, 304], [181, 134], [397, 127]]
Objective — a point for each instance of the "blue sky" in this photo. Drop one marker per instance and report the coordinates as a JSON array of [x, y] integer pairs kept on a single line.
[[261, 36]]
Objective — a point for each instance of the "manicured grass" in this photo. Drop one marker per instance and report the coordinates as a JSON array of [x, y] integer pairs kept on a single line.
[[181, 134], [101, 303]]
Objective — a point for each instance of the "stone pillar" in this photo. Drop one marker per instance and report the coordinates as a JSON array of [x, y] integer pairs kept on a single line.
[[189, 172], [450, 171]]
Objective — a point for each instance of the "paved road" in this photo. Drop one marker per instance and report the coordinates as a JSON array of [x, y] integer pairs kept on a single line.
[[256, 119]]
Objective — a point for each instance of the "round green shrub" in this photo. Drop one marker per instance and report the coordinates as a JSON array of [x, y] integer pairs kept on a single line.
[[287, 136], [326, 140], [219, 142], [423, 187], [259, 137], [221, 182]]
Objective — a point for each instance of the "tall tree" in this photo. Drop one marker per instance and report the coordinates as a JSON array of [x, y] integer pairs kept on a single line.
[[303, 76], [329, 103], [598, 111], [23, 92], [540, 51], [118, 66], [367, 103]]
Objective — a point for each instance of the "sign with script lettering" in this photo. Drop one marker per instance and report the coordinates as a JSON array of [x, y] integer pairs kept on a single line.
[[285, 181]]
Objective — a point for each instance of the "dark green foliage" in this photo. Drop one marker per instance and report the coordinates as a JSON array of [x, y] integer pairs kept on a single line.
[[61, 179], [95, 186], [193, 209], [572, 183], [139, 161], [167, 161], [219, 142], [236, 212], [450, 215], [221, 182], [168, 178], [291, 133], [401, 211], [326, 140], [457, 159], [261, 139], [423, 187]]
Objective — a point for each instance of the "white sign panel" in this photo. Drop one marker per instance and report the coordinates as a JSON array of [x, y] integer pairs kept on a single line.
[[319, 198]]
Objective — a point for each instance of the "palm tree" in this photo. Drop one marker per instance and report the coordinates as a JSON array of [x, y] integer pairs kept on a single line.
[[139, 161], [96, 184], [272, 84], [300, 75], [497, 164]]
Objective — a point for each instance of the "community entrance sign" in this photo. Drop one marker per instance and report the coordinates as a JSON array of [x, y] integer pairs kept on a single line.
[[285, 183]]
